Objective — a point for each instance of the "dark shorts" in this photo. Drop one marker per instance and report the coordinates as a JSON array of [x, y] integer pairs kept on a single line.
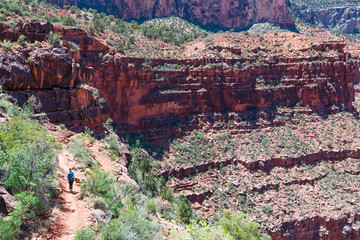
[[71, 184]]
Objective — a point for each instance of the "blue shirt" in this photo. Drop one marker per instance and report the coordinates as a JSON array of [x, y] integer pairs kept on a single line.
[[70, 176]]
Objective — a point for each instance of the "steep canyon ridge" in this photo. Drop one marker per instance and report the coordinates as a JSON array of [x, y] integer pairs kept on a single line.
[[169, 126]]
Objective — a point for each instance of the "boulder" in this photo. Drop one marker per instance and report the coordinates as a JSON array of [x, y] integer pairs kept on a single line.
[[7, 201]]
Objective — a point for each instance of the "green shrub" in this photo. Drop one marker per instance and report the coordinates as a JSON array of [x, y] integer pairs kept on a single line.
[[202, 231], [184, 210], [130, 225], [29, 155], [240, 227], [6, 45], [81, 153], [21, 41], [87, 136], [69, 21], [151, 206], [53, 37], [10, 228], [85, 234], [267, 209], [97, 183]]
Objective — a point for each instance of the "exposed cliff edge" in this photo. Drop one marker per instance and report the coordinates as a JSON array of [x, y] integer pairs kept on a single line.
[[230, 14], [53, 75]]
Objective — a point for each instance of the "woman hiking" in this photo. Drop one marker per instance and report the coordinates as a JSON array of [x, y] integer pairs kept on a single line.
[[70, 177]]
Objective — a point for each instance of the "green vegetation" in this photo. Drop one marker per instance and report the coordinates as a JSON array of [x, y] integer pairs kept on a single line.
[[28, 163], [232, 226], [172, 29], [53, 37], [6, 45], [81, 154], [131, 38], [69, 21]]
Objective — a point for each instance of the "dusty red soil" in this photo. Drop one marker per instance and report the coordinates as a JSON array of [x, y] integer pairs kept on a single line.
[[73, 212]]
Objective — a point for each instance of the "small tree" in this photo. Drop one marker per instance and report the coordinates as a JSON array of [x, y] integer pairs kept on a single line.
[[69, 21], [53, 37], [184, 210], [240, 226], [21, 41]]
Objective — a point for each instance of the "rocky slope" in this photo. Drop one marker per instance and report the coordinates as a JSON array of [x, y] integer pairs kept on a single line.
[[344, 19], [229, 14]]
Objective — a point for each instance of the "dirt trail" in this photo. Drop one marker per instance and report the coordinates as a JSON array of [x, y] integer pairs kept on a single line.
[[74, 214], [105, 162]]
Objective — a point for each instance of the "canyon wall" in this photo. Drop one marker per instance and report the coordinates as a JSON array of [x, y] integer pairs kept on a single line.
[[146, 95], [138, 95], [342, 19], [230, 14]]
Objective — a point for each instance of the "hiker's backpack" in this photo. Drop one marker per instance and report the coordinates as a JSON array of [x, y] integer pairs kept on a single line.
[[70, 176]]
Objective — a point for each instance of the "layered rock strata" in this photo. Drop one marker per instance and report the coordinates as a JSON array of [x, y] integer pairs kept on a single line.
[[148, 98], [58, 82], [230, 14]]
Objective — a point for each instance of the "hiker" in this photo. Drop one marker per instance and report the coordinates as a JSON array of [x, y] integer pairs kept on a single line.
[[71, 178]]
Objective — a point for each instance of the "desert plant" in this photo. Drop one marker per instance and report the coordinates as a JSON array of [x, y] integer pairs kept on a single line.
[[85, 234], [240, 227], [53, 37], [184, 210], [21, 40], [131, 224]]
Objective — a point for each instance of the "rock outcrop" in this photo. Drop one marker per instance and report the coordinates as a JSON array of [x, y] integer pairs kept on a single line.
[[7, 202], [230, 14], [33, 31], [53, 75]]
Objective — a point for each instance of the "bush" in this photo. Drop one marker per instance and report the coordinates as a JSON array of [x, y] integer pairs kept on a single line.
[[21, 41], [28, 156], [10, 228], [151, 207], [53, 37], [239, 226], [69, 21], [81, 153], [267, 209], [85, 234], [184, 210], [97, 183], [202, 231], [6, 45], [87, 136], [130, 225], [103, 190]]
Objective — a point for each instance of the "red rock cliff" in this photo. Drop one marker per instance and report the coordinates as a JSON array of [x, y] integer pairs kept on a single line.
[[55, 77], [237, 14], [147, 94]]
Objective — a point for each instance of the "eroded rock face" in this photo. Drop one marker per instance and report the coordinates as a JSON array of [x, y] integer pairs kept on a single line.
[[342, 19], [89, 45], [33, 31], [57, 81], [236, 14], [148, 98]]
